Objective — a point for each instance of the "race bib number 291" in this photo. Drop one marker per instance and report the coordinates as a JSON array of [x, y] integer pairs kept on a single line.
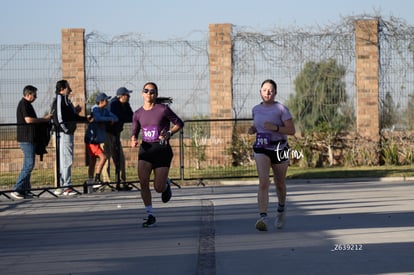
[[262, 140]]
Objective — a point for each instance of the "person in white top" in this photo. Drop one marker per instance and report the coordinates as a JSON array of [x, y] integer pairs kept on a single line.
[[272, 123]]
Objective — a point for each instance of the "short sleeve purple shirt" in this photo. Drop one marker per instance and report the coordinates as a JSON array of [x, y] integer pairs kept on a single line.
[[276, 113]]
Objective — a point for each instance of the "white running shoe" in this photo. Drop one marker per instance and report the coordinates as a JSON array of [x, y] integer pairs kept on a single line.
[[17, 195], [58, 191], [70, 192], [261, 224], [280, 220]]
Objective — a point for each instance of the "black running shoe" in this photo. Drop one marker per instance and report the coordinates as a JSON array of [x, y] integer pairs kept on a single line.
[[149, 222], [166, 195], [125, 187]]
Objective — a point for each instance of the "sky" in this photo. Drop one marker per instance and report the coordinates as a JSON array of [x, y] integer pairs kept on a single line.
[[41, 21]]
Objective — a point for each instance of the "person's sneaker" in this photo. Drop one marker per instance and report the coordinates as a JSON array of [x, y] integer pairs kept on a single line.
[[149, 222], [17, 195], [166, 195], [28, 195], [58, 191], [97, 183], [69, 192], [125, 187], [280, 221], [261, 224]]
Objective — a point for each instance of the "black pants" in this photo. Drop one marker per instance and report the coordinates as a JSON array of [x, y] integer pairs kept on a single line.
[[113, 149]]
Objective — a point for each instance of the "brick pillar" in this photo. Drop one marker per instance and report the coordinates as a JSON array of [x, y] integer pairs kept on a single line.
[[73, 70], [221, 89], [367, 78], [220, 59], [73, 64]]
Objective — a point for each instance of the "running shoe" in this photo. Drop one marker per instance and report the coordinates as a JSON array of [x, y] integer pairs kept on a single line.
[[28, 195], [69, 192], [17, 195], [280, 221], [58, 191], [166, 195], [97, 183], [124, 187], [261, 224], [149, 222]]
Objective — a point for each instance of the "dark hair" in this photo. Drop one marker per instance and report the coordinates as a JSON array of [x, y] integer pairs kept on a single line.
[[61, 85], [164, 100], [29, 89], [151, 83], [271, 81]]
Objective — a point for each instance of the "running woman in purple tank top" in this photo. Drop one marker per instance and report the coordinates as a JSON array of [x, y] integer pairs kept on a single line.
[[272, 123], [153, 120]]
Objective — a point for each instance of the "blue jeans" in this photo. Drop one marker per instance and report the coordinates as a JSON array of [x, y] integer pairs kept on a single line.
[[65, 159], [23, 181]]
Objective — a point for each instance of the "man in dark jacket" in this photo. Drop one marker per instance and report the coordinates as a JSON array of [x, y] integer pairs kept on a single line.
[[65, 117], [26, 136], [119, 106]]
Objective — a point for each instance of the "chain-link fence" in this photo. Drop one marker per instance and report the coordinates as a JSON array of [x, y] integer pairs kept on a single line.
[[396, 43], [181, 70], [31, 64], [281, 55], [202, 150]]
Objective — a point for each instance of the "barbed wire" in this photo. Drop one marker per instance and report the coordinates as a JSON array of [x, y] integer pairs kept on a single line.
[[180, 66], [281, 53]]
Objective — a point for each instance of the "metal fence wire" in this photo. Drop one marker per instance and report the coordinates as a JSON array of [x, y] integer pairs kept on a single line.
[[181, 70], [204, 149]]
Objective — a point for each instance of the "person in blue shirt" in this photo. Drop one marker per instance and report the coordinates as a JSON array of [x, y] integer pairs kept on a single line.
[[95, 135]]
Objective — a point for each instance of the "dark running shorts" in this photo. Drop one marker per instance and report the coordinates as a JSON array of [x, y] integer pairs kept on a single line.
[[276, 157], [156, 154]]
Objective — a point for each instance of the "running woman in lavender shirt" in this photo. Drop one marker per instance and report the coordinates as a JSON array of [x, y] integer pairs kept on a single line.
[[272, 123], [155, 154]]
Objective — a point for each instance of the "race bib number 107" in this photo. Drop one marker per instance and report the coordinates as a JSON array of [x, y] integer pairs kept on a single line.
[[150, 134]]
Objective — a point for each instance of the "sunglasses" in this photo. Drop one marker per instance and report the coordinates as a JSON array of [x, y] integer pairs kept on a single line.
[[152, 91]]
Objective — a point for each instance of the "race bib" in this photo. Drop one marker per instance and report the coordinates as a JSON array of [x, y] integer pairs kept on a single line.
[[263, 140], [150, 134]]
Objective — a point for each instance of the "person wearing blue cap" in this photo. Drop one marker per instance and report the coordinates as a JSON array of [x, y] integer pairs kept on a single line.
[[95, 135], [119, 106]]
